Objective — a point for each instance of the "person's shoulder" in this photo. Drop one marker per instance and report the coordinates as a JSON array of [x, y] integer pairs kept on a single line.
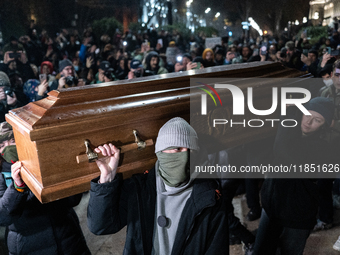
[[54, 84], [162, 70], [328, 92]]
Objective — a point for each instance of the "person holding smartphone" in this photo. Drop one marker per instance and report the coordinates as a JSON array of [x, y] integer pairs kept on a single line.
[[8, 98], [183, 65], [311, 62]]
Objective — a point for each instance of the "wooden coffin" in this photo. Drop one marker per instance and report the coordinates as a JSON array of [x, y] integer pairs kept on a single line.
[[50, 133]]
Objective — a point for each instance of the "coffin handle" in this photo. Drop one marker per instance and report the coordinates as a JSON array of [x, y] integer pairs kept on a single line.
[[141, 144], [91, 156]]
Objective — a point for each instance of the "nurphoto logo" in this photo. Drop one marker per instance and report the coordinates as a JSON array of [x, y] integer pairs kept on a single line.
[[238, 101]]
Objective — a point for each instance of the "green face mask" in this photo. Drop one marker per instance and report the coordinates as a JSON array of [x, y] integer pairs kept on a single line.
[[174, 167]]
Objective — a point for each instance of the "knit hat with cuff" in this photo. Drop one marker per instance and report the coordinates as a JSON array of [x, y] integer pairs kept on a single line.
[[324, 106], [176, 133]]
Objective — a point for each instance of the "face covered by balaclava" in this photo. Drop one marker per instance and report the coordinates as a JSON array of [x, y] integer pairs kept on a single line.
[[174, 168]]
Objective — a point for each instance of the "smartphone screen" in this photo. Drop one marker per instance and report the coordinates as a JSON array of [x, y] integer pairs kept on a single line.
[[305, 52], [198, 65], [329, 50], [42, 77]]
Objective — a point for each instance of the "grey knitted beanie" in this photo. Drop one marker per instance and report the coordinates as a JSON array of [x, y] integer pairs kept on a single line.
[[176, 132], [4, 80]]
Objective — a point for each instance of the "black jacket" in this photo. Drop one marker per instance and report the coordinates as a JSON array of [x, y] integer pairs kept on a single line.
[[40, 229], [294, 202], [203, 227]]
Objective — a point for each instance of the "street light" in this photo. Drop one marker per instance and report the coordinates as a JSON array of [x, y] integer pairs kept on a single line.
[[304, 20], [297, 22], [255, 25], [217, 15], [207, 10]]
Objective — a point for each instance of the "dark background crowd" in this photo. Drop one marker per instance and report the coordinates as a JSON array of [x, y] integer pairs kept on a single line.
[[36, 56]]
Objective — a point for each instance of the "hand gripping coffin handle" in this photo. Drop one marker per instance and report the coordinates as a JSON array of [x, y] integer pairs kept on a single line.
[[92, 156]]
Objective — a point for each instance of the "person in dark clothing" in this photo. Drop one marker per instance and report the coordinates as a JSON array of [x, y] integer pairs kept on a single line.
[[257, 153], [166, 211], [13, 45], [311, 62], [72, 47], [237, 232], [32, 227], [17, 87], [152, 65], [8, 98], [122, 68], [219, 56], [291, 205], [291, 56], [68, 76]]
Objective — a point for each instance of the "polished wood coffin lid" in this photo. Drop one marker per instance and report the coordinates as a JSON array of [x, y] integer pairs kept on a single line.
[[50, 133]]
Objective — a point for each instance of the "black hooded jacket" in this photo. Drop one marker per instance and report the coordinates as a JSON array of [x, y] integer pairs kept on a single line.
[[294, 202], [39, 229], [203, 227], [148, 68]]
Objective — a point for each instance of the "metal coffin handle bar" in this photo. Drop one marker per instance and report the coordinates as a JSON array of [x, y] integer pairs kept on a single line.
[[92, 156]]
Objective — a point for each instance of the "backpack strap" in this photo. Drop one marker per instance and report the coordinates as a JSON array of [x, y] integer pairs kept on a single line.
[[8, 178]]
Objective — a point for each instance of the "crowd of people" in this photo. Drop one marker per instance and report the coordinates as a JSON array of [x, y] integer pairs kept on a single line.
[[37, 63], [185, 215]]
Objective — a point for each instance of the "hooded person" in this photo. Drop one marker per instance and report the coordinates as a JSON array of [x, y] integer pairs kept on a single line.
[[152, 61], [8, 98], [290, 205], [219, 56], [6, 149], [55, 224], [163, 207]]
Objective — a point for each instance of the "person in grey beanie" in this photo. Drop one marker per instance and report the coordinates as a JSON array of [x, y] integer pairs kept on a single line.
[[67, 77], [167, 210]]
